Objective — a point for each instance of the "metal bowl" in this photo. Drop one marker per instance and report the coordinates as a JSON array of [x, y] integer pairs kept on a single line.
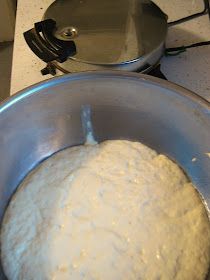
[[46, 118]]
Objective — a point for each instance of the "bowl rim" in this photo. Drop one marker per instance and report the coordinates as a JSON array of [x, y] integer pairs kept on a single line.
[[179, 90]]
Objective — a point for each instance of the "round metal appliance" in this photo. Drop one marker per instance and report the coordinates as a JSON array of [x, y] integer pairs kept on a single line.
[[120, 35], [46, 118]]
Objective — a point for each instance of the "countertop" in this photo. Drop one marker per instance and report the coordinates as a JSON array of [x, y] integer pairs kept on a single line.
[[190, 69]]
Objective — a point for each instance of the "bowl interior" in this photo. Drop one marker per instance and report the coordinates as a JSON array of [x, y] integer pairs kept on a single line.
[[46, 118]]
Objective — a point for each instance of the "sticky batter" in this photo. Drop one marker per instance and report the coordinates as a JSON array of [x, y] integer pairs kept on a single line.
[[116, 210]]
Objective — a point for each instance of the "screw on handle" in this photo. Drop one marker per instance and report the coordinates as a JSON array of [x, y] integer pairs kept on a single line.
[[41, 41], [49, 69]]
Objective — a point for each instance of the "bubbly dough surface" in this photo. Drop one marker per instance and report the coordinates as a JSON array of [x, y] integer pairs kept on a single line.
[[116, 210]]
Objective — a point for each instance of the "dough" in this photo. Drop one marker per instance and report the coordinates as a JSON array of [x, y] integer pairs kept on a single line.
[[117, 210]]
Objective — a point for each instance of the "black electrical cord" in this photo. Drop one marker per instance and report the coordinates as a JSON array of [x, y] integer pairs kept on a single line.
[[206, 10], [178, 50]]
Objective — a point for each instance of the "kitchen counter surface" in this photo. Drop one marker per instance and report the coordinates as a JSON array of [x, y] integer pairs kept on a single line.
[[190, 69]]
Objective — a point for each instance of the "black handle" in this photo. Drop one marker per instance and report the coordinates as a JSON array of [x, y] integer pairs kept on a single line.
[[41, 41]]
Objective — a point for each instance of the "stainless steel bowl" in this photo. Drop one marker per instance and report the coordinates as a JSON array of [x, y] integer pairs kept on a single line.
[[46, 118]]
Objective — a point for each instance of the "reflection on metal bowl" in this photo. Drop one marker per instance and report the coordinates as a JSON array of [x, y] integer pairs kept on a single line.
[[46, 118]]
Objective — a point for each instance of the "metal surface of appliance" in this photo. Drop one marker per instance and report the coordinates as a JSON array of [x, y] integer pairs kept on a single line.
[[120, 35], [86, 35]]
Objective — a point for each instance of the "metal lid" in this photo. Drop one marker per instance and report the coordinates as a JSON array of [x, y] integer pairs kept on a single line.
[[108, 31]]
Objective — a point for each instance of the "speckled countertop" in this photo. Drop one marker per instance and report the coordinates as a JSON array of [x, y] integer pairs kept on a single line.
[[190, 69]]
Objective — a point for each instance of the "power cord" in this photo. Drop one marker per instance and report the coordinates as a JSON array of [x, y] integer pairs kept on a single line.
[[177, 50]]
